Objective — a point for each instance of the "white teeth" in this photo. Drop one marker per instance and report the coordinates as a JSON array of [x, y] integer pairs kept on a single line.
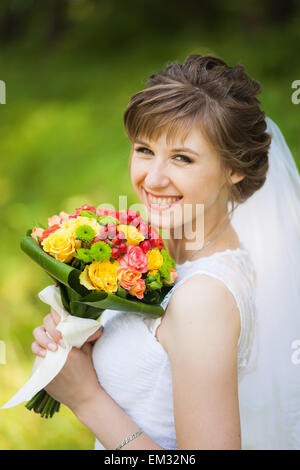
[[162, 201]]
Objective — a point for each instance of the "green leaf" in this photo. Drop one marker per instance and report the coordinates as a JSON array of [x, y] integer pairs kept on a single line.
[[121, 292], [105, 219], [75, 297], [103, 300], [62, 272], [68, 295], [89, 214]]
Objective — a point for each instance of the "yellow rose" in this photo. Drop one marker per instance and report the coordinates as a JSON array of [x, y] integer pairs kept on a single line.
[[100, 275], [73, 224], [61, 244], [155, 259], [134, 237]]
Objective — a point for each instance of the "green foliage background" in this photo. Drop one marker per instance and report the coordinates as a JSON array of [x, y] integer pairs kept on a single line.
[[70, 68]]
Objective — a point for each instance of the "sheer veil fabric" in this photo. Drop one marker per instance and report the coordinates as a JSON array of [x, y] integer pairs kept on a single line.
[[268, 225]]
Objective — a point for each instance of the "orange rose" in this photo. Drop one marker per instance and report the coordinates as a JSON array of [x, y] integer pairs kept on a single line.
[[138, 289], [128, 277]]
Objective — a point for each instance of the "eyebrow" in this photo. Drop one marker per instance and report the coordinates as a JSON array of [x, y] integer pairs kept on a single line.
[[183, 149]]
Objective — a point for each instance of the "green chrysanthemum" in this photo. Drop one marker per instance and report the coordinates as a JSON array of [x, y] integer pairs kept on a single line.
[[85, 233], [84, 254], [100, 251], [168, 258], [153, 281], [155, 285], [168, 263]]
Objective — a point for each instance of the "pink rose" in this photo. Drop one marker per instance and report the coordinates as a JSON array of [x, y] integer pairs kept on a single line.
[[37, 232], [173, 274], [54, 220], [173, 277], [134, 258], [63, 216], [143, 228]]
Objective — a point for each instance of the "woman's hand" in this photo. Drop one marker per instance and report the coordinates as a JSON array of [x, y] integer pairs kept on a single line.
[[48, 337], [77, 381]]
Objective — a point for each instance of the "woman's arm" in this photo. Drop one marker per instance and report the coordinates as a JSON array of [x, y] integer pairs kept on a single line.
[[203, 325], [110, 424]]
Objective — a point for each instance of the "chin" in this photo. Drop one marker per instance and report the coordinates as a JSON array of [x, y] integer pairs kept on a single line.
[[164, 220]]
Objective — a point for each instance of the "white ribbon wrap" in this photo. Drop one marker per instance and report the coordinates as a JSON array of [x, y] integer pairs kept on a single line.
[[75, 331]]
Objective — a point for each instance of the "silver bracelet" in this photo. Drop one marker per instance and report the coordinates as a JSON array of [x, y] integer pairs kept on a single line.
[[129, 438]]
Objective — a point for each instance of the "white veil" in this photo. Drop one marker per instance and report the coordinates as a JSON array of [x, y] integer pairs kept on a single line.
[[268, 224]]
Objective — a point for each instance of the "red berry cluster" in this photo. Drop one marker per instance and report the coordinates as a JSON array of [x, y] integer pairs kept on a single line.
[[129, 217], [152, 237], [109, 212], [115, 239], [85, 207], [155, 239]]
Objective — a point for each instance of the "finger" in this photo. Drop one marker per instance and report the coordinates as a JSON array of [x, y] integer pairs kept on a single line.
[[56, 316], [95, 336], [38, 350], [51, 328], [43, 339]]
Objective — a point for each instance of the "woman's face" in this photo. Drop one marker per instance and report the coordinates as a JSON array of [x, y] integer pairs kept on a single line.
[[190, 171]]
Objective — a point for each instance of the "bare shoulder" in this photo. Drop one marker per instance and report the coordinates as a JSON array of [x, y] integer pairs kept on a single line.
[[203, 329], [203, 306]]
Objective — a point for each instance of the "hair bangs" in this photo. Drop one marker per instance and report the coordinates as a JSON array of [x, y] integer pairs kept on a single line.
[[151, 126]]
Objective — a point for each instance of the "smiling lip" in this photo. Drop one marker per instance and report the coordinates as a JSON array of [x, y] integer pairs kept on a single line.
[[161, 195], [160, 207]]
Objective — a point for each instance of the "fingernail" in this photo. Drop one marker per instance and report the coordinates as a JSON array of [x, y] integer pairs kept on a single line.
[[42, 352], [61, 342], [52, 346]]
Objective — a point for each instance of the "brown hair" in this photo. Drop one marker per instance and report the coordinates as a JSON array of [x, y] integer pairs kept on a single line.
[[204, 90]]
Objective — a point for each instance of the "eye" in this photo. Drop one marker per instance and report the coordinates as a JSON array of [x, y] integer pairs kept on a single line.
[[141, 150], [185, 158]]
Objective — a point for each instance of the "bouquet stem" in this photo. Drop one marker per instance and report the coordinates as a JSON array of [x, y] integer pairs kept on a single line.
[[43, 404]]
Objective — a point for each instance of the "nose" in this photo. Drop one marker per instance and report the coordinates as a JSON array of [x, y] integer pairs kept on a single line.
[[156, 177]]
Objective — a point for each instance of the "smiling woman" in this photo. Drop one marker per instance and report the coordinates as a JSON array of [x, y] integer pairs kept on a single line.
[[172, 185], [198, 136], [220, 100], [197, 132]]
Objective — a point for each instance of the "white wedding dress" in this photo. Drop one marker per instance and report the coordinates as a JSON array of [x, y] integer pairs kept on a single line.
[[134, 368], [263, 276]]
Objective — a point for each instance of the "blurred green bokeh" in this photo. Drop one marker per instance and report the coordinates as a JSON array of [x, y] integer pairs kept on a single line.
[[70, 68]]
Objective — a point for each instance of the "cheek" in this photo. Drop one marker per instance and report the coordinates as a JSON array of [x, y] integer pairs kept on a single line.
[[206, 185], [136, 172]]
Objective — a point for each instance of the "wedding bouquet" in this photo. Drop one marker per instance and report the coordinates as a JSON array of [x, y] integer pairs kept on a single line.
[[99, 259]]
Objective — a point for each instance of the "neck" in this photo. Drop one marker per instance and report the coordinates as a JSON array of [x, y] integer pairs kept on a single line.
[[219, 242]]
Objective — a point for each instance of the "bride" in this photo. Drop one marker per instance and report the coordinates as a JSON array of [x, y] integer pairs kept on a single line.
[[216, 371]]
